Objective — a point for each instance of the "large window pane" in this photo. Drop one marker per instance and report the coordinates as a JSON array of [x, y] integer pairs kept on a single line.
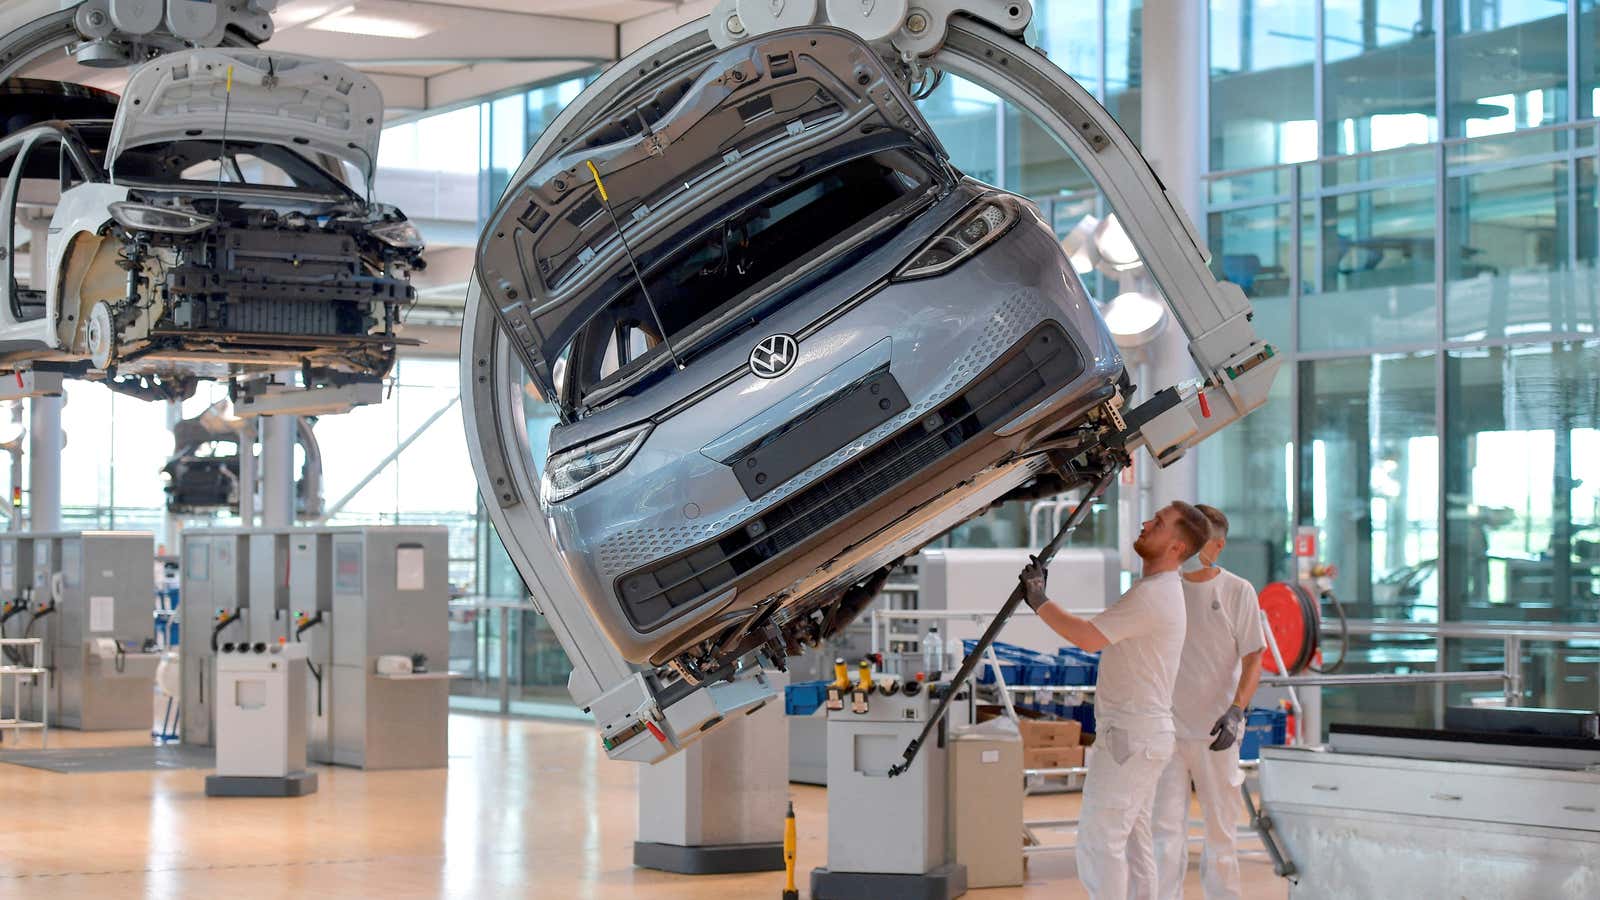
[[1368, 480], [1244, 471], [966, 117], [1508, 264], [1377, 277], [1523, 483], [429, 167], [1261, 83], [1123, 27], [1035, 162], [1507, 65], [1069, 33], [1379, 81], [1253, 248], [1589, 59]]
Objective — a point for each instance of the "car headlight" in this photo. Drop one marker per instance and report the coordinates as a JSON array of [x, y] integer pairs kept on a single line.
[[977, 226], [400, 234], [166, 219], [582, 468]]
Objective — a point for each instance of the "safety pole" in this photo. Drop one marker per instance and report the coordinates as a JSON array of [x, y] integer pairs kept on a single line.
[[976, 655]]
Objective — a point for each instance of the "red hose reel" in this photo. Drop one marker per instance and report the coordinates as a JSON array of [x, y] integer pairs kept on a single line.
[[1295, 618]]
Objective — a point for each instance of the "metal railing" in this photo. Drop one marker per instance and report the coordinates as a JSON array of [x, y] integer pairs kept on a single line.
[[1511, 636], [502, 608]]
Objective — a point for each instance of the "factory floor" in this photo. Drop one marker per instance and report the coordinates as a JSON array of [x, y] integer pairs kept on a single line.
[[527, 808]]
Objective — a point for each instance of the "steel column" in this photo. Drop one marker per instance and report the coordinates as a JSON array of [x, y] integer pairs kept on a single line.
[[277, 475]]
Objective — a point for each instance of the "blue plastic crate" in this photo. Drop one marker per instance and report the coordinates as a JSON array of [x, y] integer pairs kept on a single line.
[[1009, 670], [1084, 714], [1039, 671], [1263, 728], [1002, 650], [803, 698], [1074, 673]]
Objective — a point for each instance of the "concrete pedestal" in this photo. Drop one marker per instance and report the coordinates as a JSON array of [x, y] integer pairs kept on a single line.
[[718, 806]]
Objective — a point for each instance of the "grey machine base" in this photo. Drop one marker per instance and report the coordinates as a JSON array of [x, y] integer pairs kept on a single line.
[[296, 784], [944, 883], [710, 859]]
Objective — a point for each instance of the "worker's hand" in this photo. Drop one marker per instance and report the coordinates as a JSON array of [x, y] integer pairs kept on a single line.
[[1226, 731], [1033, 578]]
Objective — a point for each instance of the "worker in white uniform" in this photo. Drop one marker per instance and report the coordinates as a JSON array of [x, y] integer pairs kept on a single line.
[[1141, 638], [1217, 675]]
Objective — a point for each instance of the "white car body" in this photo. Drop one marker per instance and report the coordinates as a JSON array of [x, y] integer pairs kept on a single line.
[[297, 134]]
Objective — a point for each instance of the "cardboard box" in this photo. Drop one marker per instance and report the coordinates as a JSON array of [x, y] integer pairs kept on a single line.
[[1050, 733], [1053, 757]]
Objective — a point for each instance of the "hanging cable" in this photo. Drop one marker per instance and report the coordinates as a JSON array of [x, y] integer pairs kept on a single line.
[[638, 276]]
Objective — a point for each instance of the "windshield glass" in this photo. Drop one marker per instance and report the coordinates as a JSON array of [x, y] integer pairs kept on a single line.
[[716, 271], [249, 163]]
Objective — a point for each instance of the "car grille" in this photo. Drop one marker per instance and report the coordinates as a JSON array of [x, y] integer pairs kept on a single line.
[[1041, 363]]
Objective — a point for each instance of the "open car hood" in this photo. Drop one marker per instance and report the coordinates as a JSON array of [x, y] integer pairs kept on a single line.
[[673, 149], [316, 106]]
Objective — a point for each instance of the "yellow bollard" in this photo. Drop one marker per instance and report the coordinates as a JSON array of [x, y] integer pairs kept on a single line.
[[790, 845]]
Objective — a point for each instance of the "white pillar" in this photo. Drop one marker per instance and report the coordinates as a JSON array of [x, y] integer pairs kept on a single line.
[[277, 471], [171, 522], [247, 472], [44, 426], [1172, 135], [44, 463]]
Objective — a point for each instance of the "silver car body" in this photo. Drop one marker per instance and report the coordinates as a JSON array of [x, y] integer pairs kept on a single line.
[[679, 559]]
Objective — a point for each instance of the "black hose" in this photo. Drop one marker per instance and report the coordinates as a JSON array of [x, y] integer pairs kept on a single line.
[[224, 622], [1344, 633]]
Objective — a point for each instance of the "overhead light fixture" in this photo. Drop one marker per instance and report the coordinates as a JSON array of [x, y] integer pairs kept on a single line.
[[299, 12], [351, 21], [1116, 249], [1079, 245], [1134, 319]]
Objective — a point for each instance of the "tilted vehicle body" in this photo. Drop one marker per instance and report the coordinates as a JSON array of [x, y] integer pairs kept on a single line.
[[203, 475], [209, 230], [840, 349]]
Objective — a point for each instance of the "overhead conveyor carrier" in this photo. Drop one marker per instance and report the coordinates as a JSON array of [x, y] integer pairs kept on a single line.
[[647, 709]]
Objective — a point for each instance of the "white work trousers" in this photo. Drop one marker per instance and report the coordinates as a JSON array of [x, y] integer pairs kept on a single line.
[[1117, 797], [1216, 778]]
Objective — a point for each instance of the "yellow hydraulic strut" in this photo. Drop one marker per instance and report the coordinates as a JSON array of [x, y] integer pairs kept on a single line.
[[791, 844]]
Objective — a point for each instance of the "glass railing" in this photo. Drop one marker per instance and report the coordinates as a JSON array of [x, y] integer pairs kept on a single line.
[[1469, 240]]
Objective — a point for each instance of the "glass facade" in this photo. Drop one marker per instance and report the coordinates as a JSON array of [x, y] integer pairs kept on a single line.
[[1431, 279], [1262, 60]]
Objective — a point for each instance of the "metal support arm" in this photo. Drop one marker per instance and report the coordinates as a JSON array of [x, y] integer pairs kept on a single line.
[[110, 33], [978, 40]]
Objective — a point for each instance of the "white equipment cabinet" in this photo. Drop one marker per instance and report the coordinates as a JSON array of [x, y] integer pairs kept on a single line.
[[887, 836], [261, 722]]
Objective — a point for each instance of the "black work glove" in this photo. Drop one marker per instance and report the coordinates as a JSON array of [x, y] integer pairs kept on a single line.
[[1033, 578], [1227, 728]]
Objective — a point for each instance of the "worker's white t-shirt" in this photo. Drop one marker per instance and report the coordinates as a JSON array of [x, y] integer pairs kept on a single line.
[[1138, 669], [1224, 626]]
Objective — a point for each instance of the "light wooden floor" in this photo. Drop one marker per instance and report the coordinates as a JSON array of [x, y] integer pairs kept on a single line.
[[525, 809]]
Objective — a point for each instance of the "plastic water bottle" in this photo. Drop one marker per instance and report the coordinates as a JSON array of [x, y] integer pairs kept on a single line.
[[932, 652]]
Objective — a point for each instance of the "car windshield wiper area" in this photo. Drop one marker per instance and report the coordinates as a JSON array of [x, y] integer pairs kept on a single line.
[[756, 257]]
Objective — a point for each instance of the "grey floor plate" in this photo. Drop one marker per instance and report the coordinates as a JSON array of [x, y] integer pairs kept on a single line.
[[113, 759]]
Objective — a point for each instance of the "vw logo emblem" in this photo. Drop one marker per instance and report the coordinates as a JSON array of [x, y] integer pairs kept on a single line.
[[774, 356]]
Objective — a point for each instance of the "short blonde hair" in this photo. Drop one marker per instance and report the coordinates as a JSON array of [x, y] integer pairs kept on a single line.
[[1219, 522]]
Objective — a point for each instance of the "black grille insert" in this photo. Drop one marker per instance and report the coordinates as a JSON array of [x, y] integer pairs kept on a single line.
[[1041, 363]]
